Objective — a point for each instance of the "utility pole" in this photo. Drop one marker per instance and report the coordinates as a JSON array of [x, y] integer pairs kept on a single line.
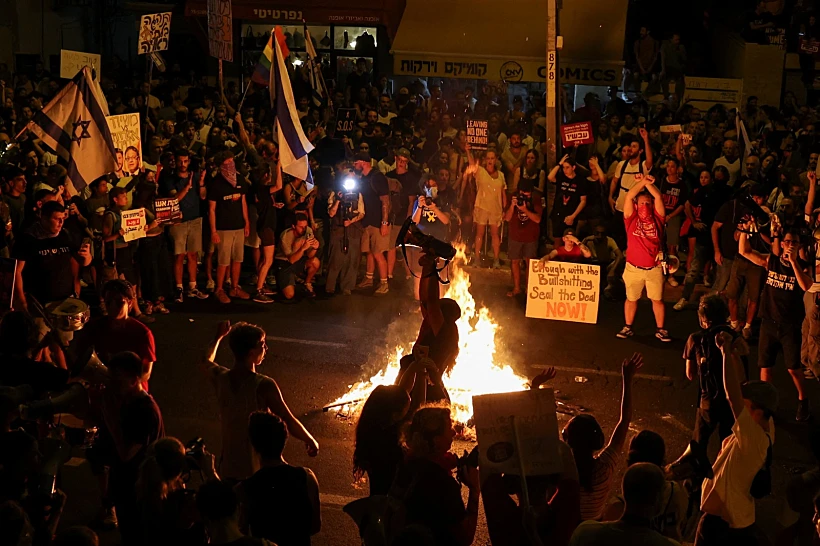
[[553, 102]]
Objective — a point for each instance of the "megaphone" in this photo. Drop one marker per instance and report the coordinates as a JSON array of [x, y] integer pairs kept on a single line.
[[672, 264], [693, 464], [410, 234], [90, 368]]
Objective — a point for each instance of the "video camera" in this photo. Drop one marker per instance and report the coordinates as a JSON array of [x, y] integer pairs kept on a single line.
[[349, 198]]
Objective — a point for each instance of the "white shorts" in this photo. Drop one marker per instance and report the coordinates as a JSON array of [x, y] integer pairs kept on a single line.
[[636, 279]]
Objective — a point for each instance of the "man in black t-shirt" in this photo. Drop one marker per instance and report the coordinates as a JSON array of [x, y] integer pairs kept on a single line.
[[401, 201], [228, 213], [781, 308], [48, 259], [376, 223], [570, 198]]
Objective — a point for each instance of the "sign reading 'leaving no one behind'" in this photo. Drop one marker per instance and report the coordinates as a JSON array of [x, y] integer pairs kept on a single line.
[[478, 136]]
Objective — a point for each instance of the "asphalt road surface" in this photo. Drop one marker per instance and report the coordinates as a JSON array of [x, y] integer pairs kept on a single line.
[[317, 349]]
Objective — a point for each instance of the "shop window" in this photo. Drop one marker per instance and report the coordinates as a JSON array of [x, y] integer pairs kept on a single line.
[[359, 39]]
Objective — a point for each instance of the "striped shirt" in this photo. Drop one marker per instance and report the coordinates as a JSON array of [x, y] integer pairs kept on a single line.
[[594, 498]]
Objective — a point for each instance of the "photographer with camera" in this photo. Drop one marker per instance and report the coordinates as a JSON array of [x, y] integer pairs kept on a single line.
[[524, 219], [431, 213], [781, 309], [346, 210]]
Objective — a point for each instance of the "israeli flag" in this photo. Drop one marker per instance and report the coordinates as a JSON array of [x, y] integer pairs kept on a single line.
[[294, 146], [73, 125]]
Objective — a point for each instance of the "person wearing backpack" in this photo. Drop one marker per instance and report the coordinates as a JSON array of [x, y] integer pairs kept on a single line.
[[627, 174], [742, 471]]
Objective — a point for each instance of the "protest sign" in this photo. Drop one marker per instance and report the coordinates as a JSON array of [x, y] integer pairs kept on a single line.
[[167, 211], [220, 29], [345, 122], [133, 224], [676, 128], [125, 133], [576, 134], [564, 291], [72, 62], [530, 415], [155, 30], [478, 134]]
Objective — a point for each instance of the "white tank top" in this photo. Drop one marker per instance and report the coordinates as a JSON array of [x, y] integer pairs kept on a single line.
[[236, 461]]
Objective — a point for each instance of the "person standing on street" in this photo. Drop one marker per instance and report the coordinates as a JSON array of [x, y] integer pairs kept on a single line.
[[376, 222], [781, 307], [490, 202], [240, 391], [644, 215], [228, 212], [346, 211]]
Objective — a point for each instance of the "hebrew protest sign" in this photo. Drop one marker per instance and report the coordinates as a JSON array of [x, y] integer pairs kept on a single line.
[[72, 62], [577, 134], [564, 291], [478, 134], [133, 224], [155, 29], [528, 414], [125, 133], [220, 29], [167, 211]]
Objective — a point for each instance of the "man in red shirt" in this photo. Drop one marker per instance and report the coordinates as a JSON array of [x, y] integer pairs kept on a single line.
[[644, 215], [117, 332], [524, 218]]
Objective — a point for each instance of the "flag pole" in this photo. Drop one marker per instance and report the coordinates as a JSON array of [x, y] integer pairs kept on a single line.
[[245, 94], [147, 99]]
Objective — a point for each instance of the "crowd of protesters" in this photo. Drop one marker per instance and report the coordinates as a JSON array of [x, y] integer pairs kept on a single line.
[[729, 193]]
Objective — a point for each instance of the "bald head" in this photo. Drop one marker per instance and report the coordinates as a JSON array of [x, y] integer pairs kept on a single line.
[[730, 150], [643, 485]]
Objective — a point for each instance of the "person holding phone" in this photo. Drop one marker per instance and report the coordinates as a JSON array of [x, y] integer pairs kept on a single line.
[[296, 256]]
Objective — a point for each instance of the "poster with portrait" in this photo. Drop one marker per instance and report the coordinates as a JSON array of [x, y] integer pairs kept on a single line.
[[220, 29], [155, 29], [125, 132]]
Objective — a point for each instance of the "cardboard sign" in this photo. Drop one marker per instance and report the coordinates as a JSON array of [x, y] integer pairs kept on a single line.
[[133, 224], [220, 29], [478, 133], [671, 129], [72, 62], [345, 122], [704, 93], [155, 30], [167, 210], [125, 133], [529, 415], [564, 291], [577, 134], [776, 36], [809, 47]]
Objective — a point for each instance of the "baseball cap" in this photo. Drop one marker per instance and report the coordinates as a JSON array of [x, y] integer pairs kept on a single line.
[[760, 393], [362, 156], [569, 231], [403, 152]]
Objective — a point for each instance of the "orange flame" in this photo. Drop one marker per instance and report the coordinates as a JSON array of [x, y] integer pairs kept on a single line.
[[476, 370]]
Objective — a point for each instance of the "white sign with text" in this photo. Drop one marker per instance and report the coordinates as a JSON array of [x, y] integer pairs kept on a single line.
[[563, 291]]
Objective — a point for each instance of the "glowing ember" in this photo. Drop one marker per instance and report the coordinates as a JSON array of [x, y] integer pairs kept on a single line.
[[476, 370]]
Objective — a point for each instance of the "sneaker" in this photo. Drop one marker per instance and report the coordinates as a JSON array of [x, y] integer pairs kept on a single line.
[[271, 280], [625, 332], [237, 292], [260, 297], [672, 281], [497, 264], [222, 297], [266, 291], [681, 305], [747, 332], [382, 289], [253, 278], [366, 283], [195, 293], [108, 518], [803, 412], [210, 286], [663, 335], [178, 296]]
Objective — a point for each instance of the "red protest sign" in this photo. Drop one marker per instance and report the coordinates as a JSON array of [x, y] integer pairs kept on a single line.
[[576, 134]]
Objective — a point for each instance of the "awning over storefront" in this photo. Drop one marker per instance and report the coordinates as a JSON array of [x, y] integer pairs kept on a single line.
[[338, 12], [485, 40]]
